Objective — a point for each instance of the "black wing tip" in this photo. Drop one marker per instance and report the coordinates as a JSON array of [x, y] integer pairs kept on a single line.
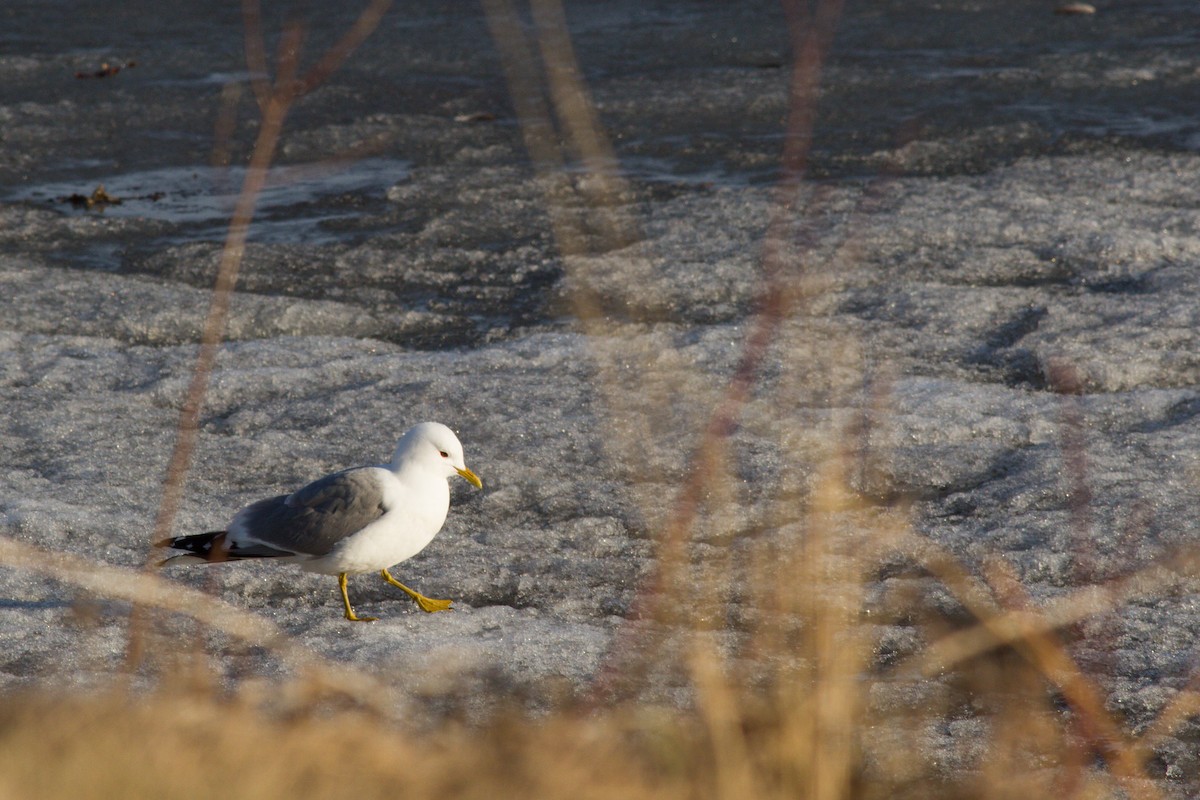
[[214, 547], [199, 543]]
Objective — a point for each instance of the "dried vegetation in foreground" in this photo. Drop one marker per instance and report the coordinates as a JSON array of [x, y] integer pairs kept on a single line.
[[841, 679], [984, 702]]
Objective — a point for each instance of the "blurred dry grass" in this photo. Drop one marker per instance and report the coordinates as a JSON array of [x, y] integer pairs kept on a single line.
[[794, 692], [194, 744], [806, 705]]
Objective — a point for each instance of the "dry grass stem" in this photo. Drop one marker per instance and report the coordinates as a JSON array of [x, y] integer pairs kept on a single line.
[[1002, 628], [147, 589], [763, 603]]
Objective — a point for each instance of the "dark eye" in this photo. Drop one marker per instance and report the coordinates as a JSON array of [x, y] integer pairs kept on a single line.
[[444, 454]]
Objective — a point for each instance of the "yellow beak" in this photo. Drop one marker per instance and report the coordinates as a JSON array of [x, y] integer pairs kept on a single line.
[[470, 477]]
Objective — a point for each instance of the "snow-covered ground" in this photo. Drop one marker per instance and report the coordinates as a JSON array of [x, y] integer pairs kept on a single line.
[[1014, 300]]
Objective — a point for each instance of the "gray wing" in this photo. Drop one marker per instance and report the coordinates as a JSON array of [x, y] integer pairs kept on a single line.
[[312, 520]]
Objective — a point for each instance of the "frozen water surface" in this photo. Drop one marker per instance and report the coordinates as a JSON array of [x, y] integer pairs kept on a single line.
[[200, 200], [1003, 200]]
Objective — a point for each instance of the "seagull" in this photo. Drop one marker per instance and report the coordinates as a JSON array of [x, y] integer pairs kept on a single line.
[[363, 519]]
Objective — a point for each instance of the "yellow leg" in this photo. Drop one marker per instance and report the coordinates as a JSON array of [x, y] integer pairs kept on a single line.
[[350, 615], [427, 604]]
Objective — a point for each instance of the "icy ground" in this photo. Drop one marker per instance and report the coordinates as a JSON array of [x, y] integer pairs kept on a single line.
[[1002, 260]]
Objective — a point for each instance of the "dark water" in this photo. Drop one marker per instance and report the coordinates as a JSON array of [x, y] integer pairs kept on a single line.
[[298, 203], [687, 89], [692, 95]]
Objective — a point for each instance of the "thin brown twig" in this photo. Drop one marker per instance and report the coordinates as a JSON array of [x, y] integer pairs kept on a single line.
[[218, 314], [148, 589], [256, 52], [275, 106], [275, 111], [579, 119], [811, 38], [286, 88], [350, 41], [1005, 628], [716, 701], [212, 334], [999, 628], [539, 135], [1049, 655], [1184, 705], [1065, 379]]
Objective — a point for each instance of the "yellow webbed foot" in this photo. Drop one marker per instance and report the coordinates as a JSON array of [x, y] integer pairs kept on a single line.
[[430, 604], [350, 615], [427, 604]]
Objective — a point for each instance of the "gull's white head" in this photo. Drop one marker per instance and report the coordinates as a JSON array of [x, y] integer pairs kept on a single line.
[[433, 446]]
